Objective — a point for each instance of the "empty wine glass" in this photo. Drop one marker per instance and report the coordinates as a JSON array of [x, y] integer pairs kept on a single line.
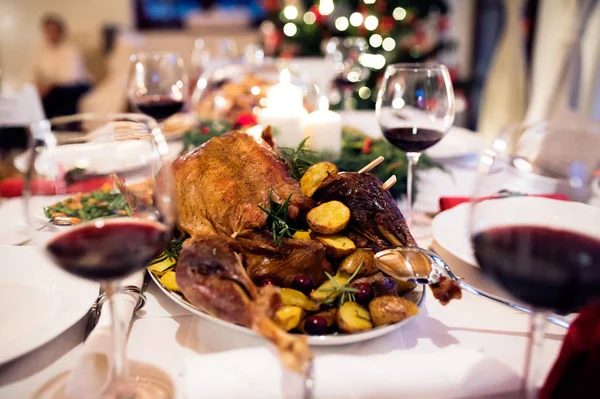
[[349, 71], [158, 84], [130, 221], [415, 109], [542, 249]]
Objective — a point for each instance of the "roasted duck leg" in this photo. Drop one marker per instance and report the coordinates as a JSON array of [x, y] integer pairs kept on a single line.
[[212, 277]]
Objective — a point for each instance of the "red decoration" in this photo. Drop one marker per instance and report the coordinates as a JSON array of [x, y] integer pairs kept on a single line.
[[319, 18], [246, 120], [387, 24], [381, 6], [367, 146], [204, 130], [443, 23]]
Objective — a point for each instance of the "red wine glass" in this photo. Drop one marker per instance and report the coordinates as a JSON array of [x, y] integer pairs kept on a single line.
[[124, 156], [543, 251], [158, 84], [415, 109], [349, 70]]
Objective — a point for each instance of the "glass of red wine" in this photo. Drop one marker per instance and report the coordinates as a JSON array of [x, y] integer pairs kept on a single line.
[[158, 84], [540, 248], [346, 52], [415, 109], [122, 159]]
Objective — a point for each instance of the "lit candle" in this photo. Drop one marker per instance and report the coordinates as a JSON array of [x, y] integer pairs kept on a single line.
[[284, 111], [324, 129]]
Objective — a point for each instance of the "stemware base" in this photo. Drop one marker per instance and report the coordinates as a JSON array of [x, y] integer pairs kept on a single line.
[[146, 382]]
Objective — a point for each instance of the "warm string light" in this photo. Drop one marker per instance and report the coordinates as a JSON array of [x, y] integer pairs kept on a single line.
[[290, 29], [371, 22], [399, 13], [356, 19], [309, 18], [290, 12], [326, 7], [375, 40], [341, 23]]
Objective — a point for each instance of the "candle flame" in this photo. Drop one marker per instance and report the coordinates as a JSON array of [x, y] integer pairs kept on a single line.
[[285, 76], [323, 103]]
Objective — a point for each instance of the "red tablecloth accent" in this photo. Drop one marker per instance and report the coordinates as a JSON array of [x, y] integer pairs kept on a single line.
[[13, 187], [576, 372], [451, 202]]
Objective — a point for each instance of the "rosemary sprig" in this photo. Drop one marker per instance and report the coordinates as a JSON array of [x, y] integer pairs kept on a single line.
[[298, 159], [277, 219], [343, 292], [171, 252]]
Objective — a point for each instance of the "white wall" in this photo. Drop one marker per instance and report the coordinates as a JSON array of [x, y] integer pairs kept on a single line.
[[20, 34]]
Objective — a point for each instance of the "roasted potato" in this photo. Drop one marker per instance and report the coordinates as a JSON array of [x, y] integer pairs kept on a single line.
[[314, 176], [169, 282], [352, 317], [391, 309], [329, 315], [337, 246], [289, 317], [328, 218], [291, 297], [302, 235], [325, 291], [357, 258]]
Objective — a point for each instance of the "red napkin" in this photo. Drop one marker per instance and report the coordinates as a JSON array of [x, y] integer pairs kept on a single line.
[[451, 202], [576, 371], [13, 187]]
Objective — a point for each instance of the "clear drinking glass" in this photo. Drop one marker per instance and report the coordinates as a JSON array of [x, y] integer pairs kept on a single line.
[[158, 84], [415, 109], [542, 251], [124, 155], [349, 71]]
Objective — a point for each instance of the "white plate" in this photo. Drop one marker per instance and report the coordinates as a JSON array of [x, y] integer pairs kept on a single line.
[[451, 231], [38, 300], [95, 157], [451, 227], [458, 143], [417, 296]]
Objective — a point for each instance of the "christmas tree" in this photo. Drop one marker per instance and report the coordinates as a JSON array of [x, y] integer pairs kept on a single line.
[[398, 30]]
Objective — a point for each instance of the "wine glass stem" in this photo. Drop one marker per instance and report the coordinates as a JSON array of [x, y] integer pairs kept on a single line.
[[537, 326], [413, 158], [347, 99], [119, 386]]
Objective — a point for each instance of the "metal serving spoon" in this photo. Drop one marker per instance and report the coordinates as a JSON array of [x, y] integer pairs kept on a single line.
[[57, 221], [418, 265]]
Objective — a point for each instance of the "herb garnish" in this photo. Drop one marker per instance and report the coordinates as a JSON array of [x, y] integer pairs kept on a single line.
[[171, 252], [298, 160], [277, 218], [343, 290]]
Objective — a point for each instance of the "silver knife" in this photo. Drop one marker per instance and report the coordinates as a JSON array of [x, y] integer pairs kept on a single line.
[[96, 308]]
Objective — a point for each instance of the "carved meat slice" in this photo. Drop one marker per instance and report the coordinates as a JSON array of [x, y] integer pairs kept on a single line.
[[376, 220], [212, 277], [220, 184]]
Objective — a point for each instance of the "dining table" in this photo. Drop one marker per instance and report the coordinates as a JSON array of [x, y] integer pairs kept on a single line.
[[470, 348]]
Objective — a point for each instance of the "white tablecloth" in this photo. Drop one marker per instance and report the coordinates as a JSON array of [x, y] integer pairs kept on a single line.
[[170, 337]]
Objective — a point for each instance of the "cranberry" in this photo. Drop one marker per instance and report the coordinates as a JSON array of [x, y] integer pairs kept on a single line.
[[315, 325], [265, 281], [302, 284], [365, 293]]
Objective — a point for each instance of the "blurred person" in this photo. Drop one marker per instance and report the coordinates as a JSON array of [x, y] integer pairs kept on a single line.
[[59, 71]]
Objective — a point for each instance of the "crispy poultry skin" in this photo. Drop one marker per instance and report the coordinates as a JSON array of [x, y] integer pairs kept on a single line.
[[376, 220], [212, 277], [220, 184]]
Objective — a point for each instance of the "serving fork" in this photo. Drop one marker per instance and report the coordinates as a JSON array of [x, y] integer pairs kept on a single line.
[[421, 266]]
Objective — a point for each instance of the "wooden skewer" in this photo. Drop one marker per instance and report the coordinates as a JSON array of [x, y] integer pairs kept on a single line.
[[389, 183], [372, 164]]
